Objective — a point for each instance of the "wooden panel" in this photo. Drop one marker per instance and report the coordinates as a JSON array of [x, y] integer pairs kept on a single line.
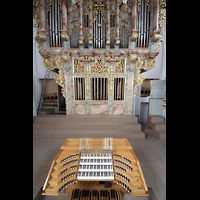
[[124, 162]]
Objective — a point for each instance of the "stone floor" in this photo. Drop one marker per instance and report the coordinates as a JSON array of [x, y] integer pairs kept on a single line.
[[150, 152]]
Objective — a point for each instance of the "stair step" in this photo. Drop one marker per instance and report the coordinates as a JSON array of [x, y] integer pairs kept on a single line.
[[87, 126], [158, 126], [154, 118], [160, 134], [63, 134], [85, 118], [62, 127]]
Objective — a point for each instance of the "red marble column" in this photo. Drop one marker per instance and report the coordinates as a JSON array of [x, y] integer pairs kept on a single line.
[[134, 31], [90, 5], [117, 23], [80, 4], [108, 23], [155, 35], [42, 15], [64, 31]]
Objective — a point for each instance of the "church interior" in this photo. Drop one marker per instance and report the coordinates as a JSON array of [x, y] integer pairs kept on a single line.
[[99, 99]]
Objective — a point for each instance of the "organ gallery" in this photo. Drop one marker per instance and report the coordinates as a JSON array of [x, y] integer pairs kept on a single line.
[[100, 50]]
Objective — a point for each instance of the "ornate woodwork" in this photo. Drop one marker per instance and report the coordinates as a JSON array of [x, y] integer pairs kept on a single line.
[[99, 39]]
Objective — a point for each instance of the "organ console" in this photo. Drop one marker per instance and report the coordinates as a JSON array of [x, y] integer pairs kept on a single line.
[[95, 168]]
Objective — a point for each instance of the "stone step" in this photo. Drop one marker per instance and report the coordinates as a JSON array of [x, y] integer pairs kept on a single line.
[[85, 118], [45, 111], [62, 134], [86, 126], [160, 134], [158, 126], [154, 118]]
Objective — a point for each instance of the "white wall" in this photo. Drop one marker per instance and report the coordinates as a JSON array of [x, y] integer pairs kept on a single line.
[[158, 72], [38, 68]]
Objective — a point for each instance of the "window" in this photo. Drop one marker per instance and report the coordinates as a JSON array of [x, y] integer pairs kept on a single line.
[[99, 88], [119, 84], [79, 88]]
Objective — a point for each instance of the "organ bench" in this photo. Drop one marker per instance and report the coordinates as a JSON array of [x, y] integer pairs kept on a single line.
[[95, 168]]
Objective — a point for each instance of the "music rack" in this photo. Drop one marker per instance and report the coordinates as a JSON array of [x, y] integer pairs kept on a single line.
[[92, 163]]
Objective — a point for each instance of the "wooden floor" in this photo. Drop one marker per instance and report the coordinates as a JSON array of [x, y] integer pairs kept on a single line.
[[150, 152]]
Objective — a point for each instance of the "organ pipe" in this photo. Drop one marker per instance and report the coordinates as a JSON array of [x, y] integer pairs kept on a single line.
[[143, 23], [55, 24]]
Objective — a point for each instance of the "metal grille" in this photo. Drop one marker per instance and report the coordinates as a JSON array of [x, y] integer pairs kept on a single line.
[[99, 88], [119, 84], [79, 88]]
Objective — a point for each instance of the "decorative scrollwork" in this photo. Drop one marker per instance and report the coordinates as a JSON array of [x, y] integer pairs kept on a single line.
[[50, 63], [146, 63], [109, 59], [82, 59], [120, 68], [78, 68], [138, 5], [159, 42], [97, 6], [99, 67], [112, 19], [36, 12], [162, 12]]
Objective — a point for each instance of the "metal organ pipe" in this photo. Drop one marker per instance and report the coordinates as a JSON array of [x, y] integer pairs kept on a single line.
[[55, 24], [143, 23]]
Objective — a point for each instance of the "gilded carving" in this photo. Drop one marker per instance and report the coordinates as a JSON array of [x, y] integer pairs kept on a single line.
[[78, 68], [148, 5], [162, 12], [90, 5], [159, 42], [138, 77], [99, 67], [66, 59], [37, 39], [77, 29], [146, 63], [74, 22], [120, 68], [121, 27], [112, 19], [112, 33], [86, 32], [85, 19], [82, 59], [109, 59], [36, 12], [132, 59], [97, 6], [55, 62], [138, 5]]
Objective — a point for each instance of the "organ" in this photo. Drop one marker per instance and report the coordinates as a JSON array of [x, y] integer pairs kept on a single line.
[[95, 168], [101, 49]]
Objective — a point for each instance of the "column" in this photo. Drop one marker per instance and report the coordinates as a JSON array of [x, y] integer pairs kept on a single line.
[[117, 23], [108, 23], [90, 5], [64, 31], [80, 4], [42, 15], [134, 31], [42, 28], [155, 35]]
